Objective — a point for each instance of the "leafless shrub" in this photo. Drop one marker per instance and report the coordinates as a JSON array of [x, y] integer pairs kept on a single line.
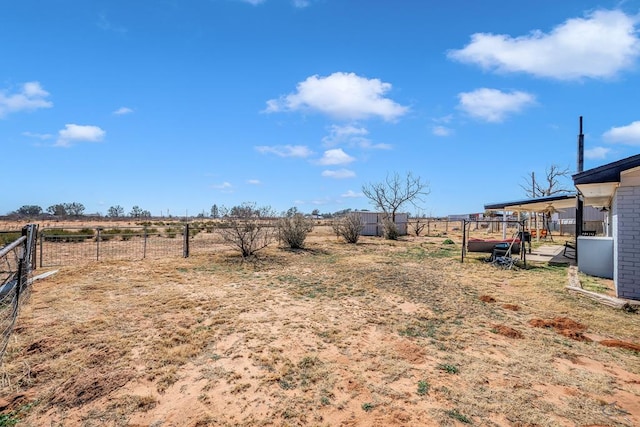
[[293, 230], [390, 229], [418, 225], [248, 228], [349, 227]]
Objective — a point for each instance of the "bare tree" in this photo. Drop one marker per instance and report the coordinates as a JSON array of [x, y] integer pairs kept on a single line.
[[418, 224], [247, 228], [393, 193], [553, 183], [396, 191]]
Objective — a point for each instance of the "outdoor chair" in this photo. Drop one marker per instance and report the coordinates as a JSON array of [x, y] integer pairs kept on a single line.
[[543, 233], [569, 250]]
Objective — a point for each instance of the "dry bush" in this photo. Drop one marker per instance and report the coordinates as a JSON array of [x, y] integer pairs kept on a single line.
[[293, 230], [247, 228], [390, 229], [349, 227]]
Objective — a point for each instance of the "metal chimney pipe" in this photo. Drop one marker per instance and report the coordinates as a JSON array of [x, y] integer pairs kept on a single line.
[[580, 149], [579, 203]]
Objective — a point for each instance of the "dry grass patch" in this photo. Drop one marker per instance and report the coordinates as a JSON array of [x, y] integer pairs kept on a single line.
[[376, 333]]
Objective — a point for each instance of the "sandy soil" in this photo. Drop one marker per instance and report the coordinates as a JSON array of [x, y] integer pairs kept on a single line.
[[377, 334]]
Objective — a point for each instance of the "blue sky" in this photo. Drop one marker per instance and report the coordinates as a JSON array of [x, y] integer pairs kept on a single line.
[[178, 105]]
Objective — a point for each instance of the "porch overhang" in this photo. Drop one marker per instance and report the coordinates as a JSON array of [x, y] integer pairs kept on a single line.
[[598, 185], [598, 194], [541, 204]]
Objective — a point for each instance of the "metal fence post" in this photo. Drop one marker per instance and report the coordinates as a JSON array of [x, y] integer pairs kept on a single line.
[[41, 246], [185, 247], [98, 230], [144, 244]]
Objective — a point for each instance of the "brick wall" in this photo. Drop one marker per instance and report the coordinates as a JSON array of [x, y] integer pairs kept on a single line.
[[628, 247]]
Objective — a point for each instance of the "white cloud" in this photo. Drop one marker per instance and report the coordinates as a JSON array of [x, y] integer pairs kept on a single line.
[[343, 134], [444, 119], [254, 181], [335, 157], [493, 105], [320, 202], [79, 133], [300, 4], [30, 97], [286, 150], [597, 46], [367, 144], [224, 186], [441, 131], [629, 134], [350, 194], [352, 136], [339, 174], [105, 24], [42, 136], [122, 111], [345, 96], [596, 153]]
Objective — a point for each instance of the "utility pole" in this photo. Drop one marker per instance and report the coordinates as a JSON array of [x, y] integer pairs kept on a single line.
[[533, 196]]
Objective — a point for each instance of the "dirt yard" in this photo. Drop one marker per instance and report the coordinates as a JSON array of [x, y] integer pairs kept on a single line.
[[377, 334]]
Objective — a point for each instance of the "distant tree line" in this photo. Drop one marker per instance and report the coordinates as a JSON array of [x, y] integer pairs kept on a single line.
[[75, 209], [388, 196]]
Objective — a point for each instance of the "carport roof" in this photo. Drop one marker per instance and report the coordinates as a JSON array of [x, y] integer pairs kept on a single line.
[[540, 204]]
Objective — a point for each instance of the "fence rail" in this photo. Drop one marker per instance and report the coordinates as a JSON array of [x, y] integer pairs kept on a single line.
[[17, 261]]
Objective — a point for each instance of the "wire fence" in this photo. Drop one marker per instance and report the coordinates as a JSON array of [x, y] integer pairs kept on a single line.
[[72, 245], [17, 261]]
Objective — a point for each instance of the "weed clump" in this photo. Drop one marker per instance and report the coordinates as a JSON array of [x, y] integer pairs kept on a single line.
[[449, 369], [423, 387]]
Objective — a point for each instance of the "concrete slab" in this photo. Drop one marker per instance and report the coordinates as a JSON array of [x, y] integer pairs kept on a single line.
[[544, 253], [551, 254]]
